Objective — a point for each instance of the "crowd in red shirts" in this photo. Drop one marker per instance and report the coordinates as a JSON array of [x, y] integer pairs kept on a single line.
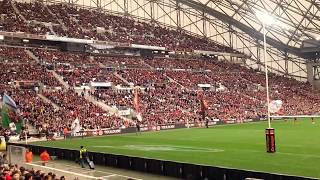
[[76, 22]]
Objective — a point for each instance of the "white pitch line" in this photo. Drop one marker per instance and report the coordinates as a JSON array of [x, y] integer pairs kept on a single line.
[[114, 174], [298, 116], [108, 176], [67, 172]]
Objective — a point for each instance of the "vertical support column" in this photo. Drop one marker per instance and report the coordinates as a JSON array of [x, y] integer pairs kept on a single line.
[[258, 55], [152, 12], [204, 24], [286, 64], [97, 3], [313, 74], [230, 36], [310, 72], [178, 14], [125, 5]]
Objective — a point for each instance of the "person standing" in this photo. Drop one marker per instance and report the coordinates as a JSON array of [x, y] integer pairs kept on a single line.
[[207, 122], [138, 128], [65, 132], [29, 156], [83, 155]]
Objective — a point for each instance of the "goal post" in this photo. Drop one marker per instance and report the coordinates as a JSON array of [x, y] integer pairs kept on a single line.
[[16, 154]]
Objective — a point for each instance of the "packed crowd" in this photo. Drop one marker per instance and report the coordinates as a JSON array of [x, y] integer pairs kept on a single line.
[[84, 75], [121, 62], [11, 54], [58, 57], [11, 72], [236, 92], [182, 63], [143, 77], [33, 109], [170, 94], [90, 115], [71, 21], [160, 105], [114, 98], [12, 22], [15, 172], [171, 85]]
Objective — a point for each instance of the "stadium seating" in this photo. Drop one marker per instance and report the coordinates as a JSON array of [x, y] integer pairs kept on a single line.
[[63, 20], [90, 115], [10, 54], [171, 84], [11, 72], [143, 77], [170, 95]]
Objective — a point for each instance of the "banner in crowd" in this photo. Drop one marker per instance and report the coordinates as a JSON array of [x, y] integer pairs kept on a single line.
[[75, 126], [275, 106], [10, 114]]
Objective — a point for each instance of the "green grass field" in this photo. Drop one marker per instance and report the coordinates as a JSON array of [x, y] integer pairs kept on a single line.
[[235, 146]]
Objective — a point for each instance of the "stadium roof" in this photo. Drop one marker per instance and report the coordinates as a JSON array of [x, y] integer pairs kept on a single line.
[[296, 21]]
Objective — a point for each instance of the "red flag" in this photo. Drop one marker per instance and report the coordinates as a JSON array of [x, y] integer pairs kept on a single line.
[[136, 104], [203, 102]]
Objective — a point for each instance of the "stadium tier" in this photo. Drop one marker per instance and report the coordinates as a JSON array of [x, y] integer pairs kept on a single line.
[[73, 22], [170, 93], [75, 70]]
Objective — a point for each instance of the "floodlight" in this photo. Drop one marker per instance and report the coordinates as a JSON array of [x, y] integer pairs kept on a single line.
[[265, 17]]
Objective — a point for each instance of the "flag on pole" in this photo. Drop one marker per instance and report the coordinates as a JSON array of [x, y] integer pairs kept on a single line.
[[136, 104], [75, 126], [10, 114], [203, 102]]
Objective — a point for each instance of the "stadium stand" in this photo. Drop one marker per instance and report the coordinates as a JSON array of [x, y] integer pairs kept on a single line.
[[14, 55], [80, 23], [238, 93], [61, 63], [171, 84]]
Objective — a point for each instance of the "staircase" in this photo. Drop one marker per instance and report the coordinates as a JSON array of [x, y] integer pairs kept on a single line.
[[59, 78], [101, 65], [59, 20], [78, 24], [148, 65], [52, 31], [100, 104], [120, 77], [46, 100], [174, 81], [16, 10], [30, 54]]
